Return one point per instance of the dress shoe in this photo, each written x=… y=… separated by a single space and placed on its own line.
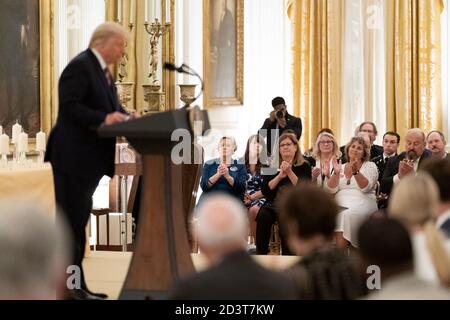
x=80 y=294
x=97 y=294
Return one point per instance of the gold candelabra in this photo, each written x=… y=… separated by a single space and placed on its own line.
x=125 y=88
x=152 y=95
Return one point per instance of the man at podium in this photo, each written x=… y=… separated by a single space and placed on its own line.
x=80 y=158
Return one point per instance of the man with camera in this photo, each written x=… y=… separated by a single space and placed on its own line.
x=279 y=121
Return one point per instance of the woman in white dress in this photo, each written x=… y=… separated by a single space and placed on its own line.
x=354 y=188
x=324 y=152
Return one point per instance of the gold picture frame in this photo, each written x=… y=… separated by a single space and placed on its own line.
x=26 y=85
x=48 y=108
x=223 y=47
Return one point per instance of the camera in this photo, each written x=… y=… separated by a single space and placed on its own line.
x=279 y=114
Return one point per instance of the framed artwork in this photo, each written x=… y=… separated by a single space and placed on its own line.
x=25 y=64
x=223 y=47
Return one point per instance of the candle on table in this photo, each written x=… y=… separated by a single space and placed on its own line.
x=16 y=130
x=40 y=141
x=22 y=142
x=4 y=144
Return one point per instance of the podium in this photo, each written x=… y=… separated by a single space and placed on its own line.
x=162 y=252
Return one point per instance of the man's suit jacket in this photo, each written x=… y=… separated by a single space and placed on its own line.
x=292 y=123
x=392 y=169
x=85 y=98
x=236 y=277
x=381 y=164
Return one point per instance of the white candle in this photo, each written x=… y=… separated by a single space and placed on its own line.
x=168 y=11
x=146 y=10
x=4 y=144
x=119 y=10
x=16 y=130
x=157 y=9
x=40 y=141
x=132 y=11
x=23 y=142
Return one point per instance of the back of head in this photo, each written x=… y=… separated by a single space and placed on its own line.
x=414 y=199
x=222 y=224
x=439 y=170
x=386 y=243
x=278 y=101
x=105 y=31
x=310 y=211
x=33 y=249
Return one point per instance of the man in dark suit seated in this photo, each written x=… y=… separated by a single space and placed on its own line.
x=436 y=144
x=279 y=121
x=391 y=141
x=371 y=130
x=407 y=162
x=439 y=169
x=234 y=275
x=79 y=157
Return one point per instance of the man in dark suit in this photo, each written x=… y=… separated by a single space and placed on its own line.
x=436 y=144
x=369 y=128
x=439 y=170
x=279 y=121
x=80 y=158
x=234 y=275
x=391 y=142
x=407 y=162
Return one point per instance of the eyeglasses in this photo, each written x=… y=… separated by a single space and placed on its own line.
x=286 y=145
x=326 y=142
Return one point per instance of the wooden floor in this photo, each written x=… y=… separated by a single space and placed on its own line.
x=105 y=271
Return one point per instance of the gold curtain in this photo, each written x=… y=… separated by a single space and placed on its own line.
x=413 y=90
x=317 y=63
x=138 y=49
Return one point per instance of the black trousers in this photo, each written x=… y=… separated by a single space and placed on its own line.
x=74 y=200
x=266 y=217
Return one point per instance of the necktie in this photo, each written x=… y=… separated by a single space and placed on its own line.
x=109 y=77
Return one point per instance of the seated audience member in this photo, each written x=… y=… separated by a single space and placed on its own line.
x=233 y=275
x=324 y=272
x=34 y=253
x=354 y=188
x=279 y=120
x=414 y=202
x=391 y=141
x=291 y=169
x=224 y=174
x=325 y=152
x=407 y=162
x=436 y=144
x=371 y=130
x=393 y=254
x=308 y=153
x=255 y=158
x=439 y=170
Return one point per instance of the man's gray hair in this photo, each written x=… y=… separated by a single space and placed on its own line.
x=222 y=221
x=33 y=250
x=105 y=31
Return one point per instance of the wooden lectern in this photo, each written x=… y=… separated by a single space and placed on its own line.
x=162 y=252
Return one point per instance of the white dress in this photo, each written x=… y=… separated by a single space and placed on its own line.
x=360 y=203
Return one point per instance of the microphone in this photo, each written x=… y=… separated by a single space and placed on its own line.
x=184 y=68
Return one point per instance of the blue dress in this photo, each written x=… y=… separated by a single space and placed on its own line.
x=254 y=184
x=236 y=170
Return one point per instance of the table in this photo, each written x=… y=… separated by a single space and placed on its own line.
x=33 y=183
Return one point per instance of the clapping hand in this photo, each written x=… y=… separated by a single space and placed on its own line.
x=336 y=166
x=223 y=170
x=315 y=172
x=286 y=168
x=405 y=167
